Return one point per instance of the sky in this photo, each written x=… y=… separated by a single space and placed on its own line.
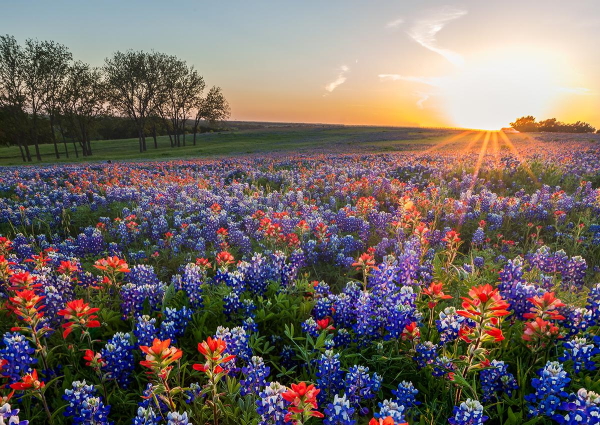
x=471 y=64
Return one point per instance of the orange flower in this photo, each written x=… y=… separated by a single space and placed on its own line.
x=159 y=356
x=80 y=315
x=23 y=280
x=213 y=351
x=387 y=421
x=29 y=381
x=485 y=301
x=540 y=332
x=325 y=324
x=303 y=400
x=25 y=305
x=411 y=332
x=67 y=267
x=365 y=262
x=545 y=307
x=436 y=294
x=112 y=265
x=224 y=259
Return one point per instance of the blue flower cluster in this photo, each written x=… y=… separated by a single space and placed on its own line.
x=360 y=386
x=329 y=376
x=255 y=373
x=549 y=389
x=339 y=412
x=10 y=416
x=469 y=412
x=84 y=407
x=18 y=355
x=497 y=379
x=581 y=352
x=271 y=406
x=118 y=357
x=580 y=408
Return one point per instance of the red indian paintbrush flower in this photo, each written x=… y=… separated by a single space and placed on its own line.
x=303 y=399
x=23 y=280
x=540 y=332
x=112 y=264
x=224 y=259
x=213 y=351
x=67 y=267
x=365 y=262
x=159 y=357
x=25 y=304
x=435 y=293
x=545 y=307
x=387 y=421
x=325 y=324
x=79 y=315
x=486 y=307
x=29 y=381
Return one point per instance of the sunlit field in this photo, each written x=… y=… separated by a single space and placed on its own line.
x=324 y=275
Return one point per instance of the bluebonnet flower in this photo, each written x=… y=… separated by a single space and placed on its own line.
x=581 y=352
x=469 y=412
x=360 y=385
x=497 y=379
x=175 y=323
x=237 y=345
x=271 y=406
x=549 y=388
x=18 y=356
x=195 y=391
x=478 y=262
x=146 y=416
x=580 y=408
x=145 y=331
x=329 y=375
x=593 y=303
x=118 y=358
x=287 y=357
x=191 y=283
x=443 y=366
x=339 y=412
x=426 y=353
x=391 y=408
x=10 y=416
x=478 y=237
x=449 y=325
x=406 y=394
x=255 y=373
x=84 y=407
x=175 y=418
x=143 y=288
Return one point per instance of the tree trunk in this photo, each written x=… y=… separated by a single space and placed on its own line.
x=64 y=139
x=154 y=135
x=22 y=152
x=195 y=131
x=35 y=137
x=54 y=136
x=75 y=147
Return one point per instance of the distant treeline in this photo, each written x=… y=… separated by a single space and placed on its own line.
x=47 y=97
x=529 y=124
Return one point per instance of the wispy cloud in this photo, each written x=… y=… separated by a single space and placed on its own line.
x=424 y=31
x=430 y=81
x=422 y=99
x=575 y=90
x=395 y=23
x=341 y=79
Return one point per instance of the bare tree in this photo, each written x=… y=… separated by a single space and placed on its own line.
x=12 y=90
x=133 y=80
x=54 y=72
x=181 y=90
x=84 y=100
x=212 y=108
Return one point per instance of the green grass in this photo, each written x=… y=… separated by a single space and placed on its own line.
x=297 y=139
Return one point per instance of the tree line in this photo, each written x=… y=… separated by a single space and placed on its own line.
x=529 y=124
x=48 y=97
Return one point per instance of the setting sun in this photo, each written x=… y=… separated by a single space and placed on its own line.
x=494 y=89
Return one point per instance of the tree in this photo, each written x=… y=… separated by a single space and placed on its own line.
x=525 y=124
x=213 y=108
x=84 y=99
x=54 y=73
x=12 y=92
x=133 y=81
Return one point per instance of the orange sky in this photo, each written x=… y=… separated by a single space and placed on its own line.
x=465 y=64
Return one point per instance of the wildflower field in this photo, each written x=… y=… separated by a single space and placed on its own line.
x=442 y=284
